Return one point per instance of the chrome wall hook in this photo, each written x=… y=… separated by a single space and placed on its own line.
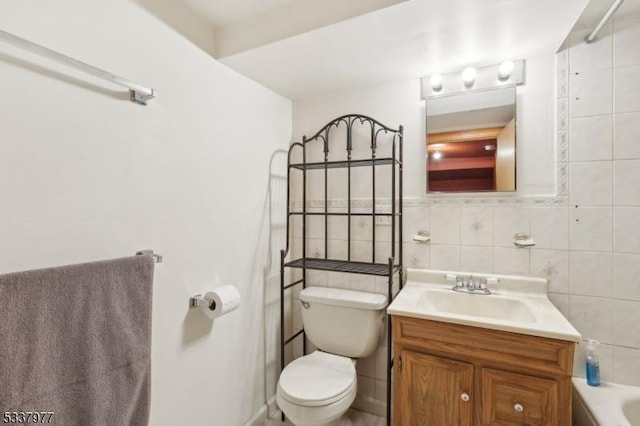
x=156 y=257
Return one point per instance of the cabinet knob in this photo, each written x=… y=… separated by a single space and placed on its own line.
x=464 y=396
x=518 y=407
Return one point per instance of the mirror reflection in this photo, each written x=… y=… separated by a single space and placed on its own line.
x=471 y=141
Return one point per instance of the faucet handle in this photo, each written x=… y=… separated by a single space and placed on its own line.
x=482 y=285
x=468 y=281
x=460 y=281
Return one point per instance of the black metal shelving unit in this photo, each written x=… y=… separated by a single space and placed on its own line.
x=390 y=269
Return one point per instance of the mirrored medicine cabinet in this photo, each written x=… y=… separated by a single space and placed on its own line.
x=471 y=141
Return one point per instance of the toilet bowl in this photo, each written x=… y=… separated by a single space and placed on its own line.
x=317 y=389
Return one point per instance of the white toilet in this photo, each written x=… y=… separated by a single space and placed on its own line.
x=317 y=389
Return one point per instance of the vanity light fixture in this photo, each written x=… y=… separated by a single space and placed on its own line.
x=505 y=70
x=506 y=73
x=469 y=76
x=436 y=155
x=436 y=82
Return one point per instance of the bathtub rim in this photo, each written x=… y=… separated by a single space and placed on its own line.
x=604 y=403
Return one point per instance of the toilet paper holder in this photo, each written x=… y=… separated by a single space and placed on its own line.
x=198 y=300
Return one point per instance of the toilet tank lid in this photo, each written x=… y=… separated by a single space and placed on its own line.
x=345 y=298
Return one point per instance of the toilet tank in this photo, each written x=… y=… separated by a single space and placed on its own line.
x=343 y=322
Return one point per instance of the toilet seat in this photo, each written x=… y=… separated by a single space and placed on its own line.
x=317 y=379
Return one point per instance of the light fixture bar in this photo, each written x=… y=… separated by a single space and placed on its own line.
x=507 y=73
x=594 y=34
x=139 y=94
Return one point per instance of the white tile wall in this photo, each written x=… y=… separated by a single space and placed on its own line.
x=511 y=261
x=591 y=93
x=626 y=94
x=508 y=221
x=593 y=317
x=591 y=228
x=445 y=225
x=626 y=130
x=416 y=255
x=415 y=219
x=361 y=251
x=626 y=179
x=337 y=227
x=550 y=227
x=590 y=183
x=625 y=43
x=476 y=226
x=626 y=365
x=604 y=301
x=476 y=259
x=552 y=265
x=338 y=280
x=626 y=276
x=561 y=301
x=626 y=317
x=445 y=257
x=362 y=282
x=591 y=138
x=590 y=57
x=591 y=273
x=626 y=230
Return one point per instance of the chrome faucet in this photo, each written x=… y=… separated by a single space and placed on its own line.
x=467 y=284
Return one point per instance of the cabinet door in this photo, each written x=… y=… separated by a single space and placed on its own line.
x=435 y=391
x=518 y=399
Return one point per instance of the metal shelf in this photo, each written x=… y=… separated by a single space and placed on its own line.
x=388 y=269
x=380 y=269
x=343 y=164
x=342 y=214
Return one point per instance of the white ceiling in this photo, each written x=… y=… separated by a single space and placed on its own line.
x=396 y=40
x=226 y=12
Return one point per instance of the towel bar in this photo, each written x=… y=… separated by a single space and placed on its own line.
x=138 y=93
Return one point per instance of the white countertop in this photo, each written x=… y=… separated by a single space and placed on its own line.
x=516 y=304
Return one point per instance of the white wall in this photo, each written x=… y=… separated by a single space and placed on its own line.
x=85 y=175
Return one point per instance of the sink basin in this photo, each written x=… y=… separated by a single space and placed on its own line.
x=516 y=304
x=491 y=306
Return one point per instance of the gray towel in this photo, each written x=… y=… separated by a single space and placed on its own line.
x=76 y=340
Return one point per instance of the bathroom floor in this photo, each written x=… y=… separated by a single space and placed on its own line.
x=358 y=418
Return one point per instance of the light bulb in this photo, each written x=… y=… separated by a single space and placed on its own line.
x=505 y=70
x=436 y=155
x=469 y=76
x=436 y=82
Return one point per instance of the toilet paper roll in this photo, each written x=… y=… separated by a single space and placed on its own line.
x=221 y=301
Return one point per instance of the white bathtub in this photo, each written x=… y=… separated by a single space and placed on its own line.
x=609 y=404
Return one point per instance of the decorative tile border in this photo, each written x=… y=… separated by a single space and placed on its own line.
x=562 y=136
x=562 y=146
x=562 y=179
x=563 y=114
x=562 y=74
x=428 y=201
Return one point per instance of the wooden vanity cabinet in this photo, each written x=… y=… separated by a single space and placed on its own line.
x=430 y=381
x=449 y=374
